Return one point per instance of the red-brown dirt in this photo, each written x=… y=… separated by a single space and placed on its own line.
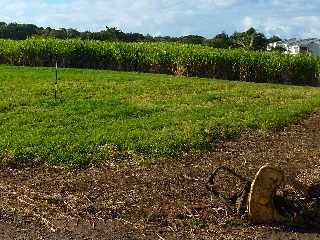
x=166 y=199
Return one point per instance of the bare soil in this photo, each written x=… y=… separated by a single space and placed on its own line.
x=166 y=199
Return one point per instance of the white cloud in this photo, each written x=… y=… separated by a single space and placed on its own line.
x=297 y=26
x=247 y=23
x=170 y=17
x=146 y=16
x=309 y=25
x=220 y=3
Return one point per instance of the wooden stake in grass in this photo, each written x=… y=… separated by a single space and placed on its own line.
x=56 y=83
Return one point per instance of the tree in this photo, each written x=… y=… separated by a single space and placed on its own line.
x=221 y=40
x=259 y=41
x=60 y=33
x=274 y=39
x=192 y=39
x=17 y=31
x=250 y=40
x=279 y=49
x=73 y=33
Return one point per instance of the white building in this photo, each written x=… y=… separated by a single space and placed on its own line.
x=295 y=46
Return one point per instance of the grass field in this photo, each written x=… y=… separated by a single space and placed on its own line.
x=101 y=115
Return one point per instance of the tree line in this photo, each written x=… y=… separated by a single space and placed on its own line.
x=250 y=39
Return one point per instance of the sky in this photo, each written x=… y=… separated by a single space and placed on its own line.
x=285 y=18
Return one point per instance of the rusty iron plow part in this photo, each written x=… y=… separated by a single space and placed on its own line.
x=258 y=200
x=230 y=203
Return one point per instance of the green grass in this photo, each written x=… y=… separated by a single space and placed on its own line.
x=103 y=115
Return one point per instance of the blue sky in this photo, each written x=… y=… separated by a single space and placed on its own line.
x=286 y=18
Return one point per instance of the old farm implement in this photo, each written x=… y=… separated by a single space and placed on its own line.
x=270 y=197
